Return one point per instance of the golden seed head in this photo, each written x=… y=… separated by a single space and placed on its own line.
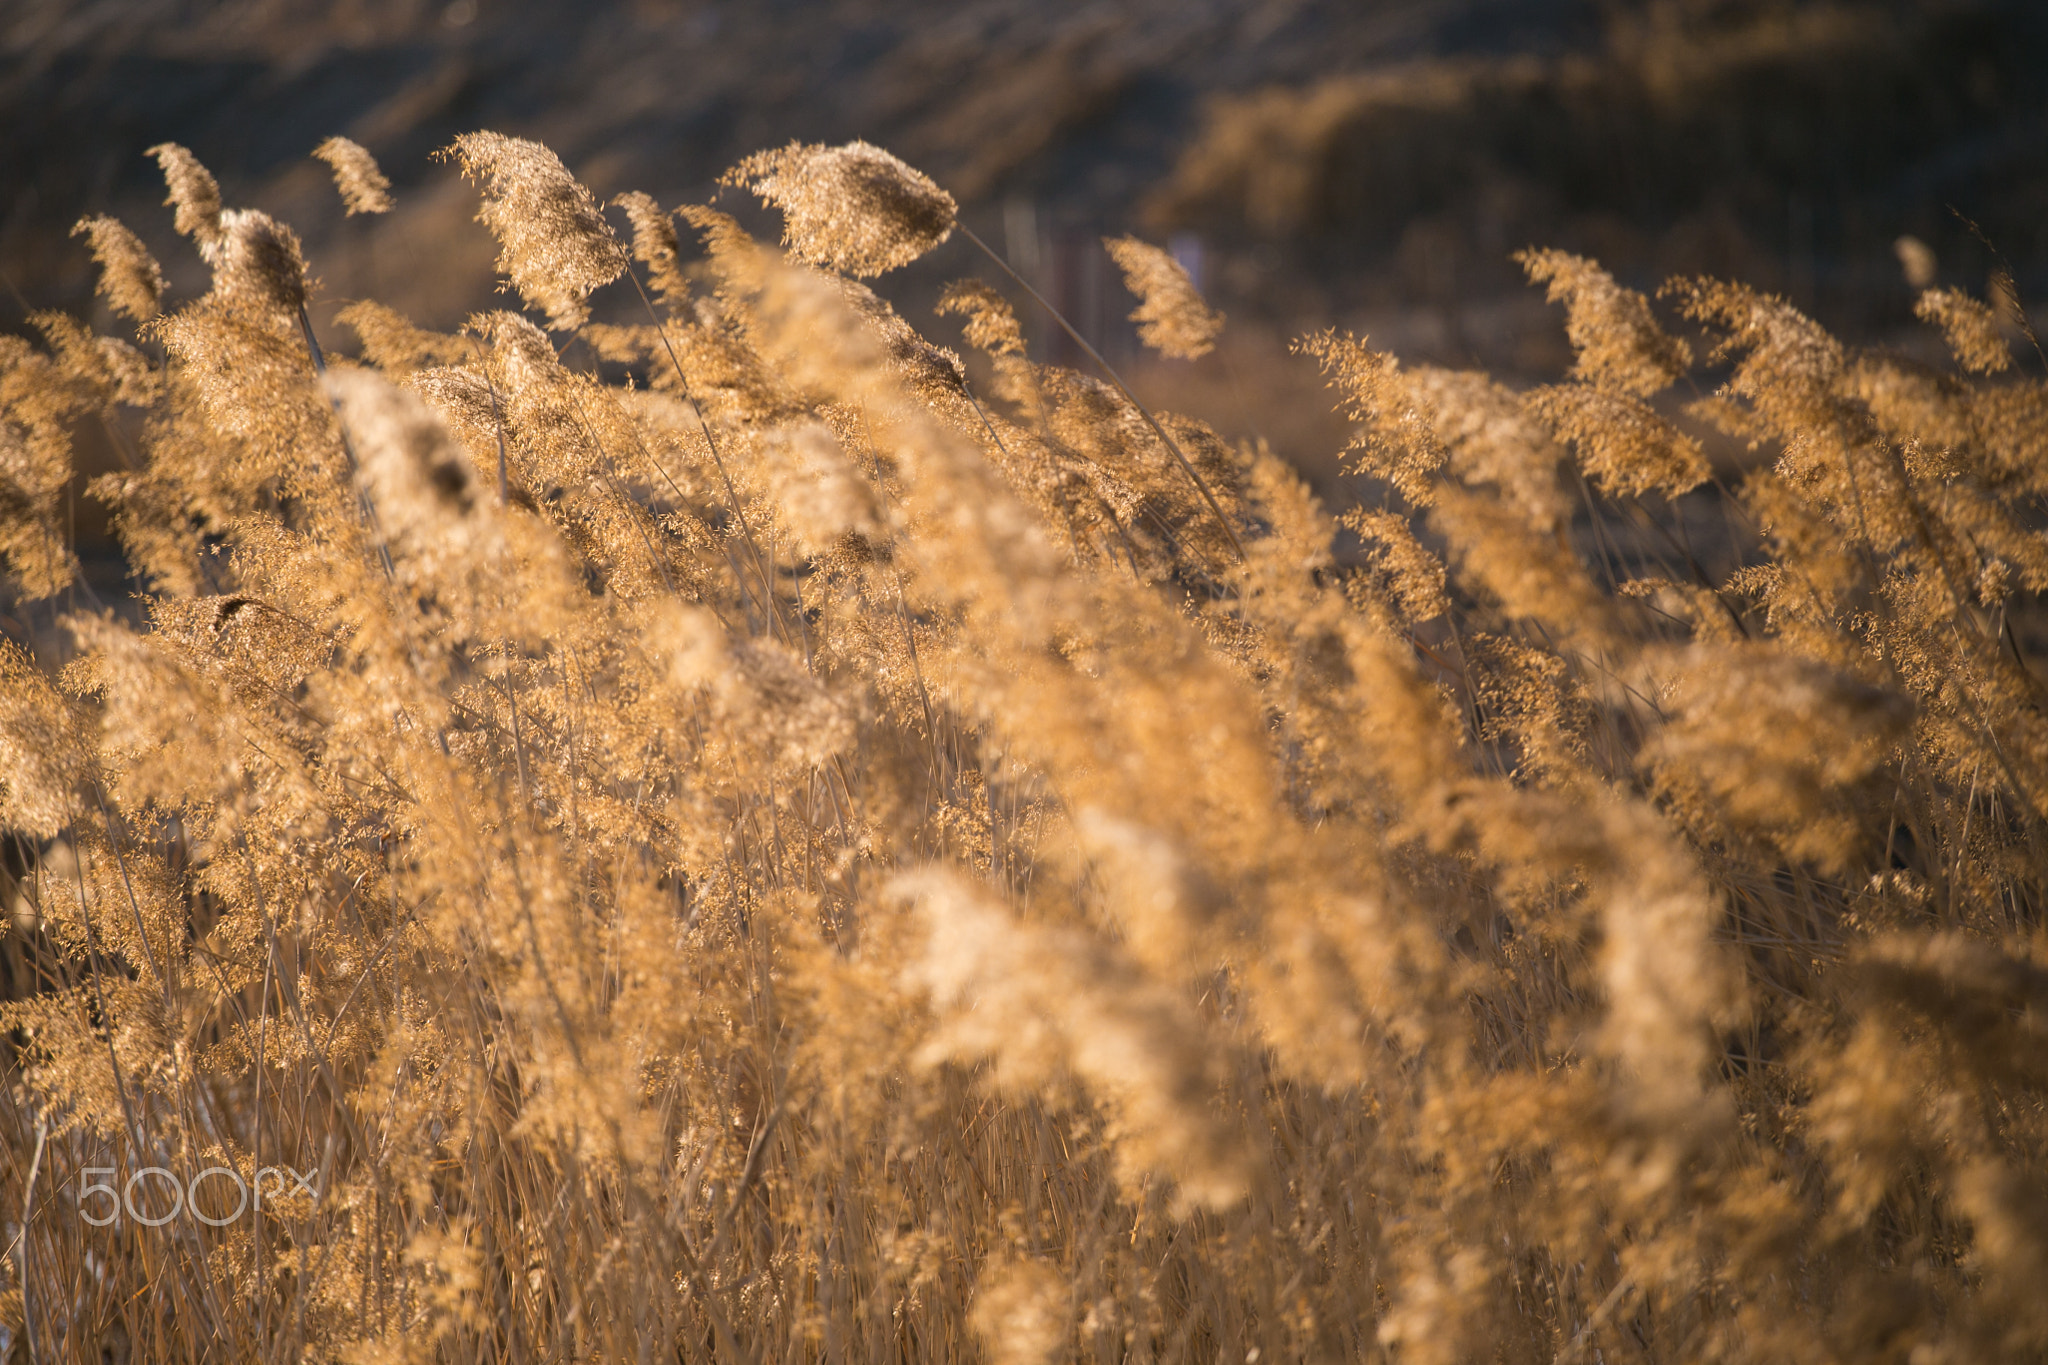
x=363 y=186
x=854 y=208
x=1171 y=315
x=555 y=246
x=193 y=191
x=130 y=279
x=257 y=261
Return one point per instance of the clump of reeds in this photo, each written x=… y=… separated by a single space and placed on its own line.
x=787 y=856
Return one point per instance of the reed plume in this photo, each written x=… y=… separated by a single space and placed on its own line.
x=363 y=186
x=1172 y=317
x=855 y=208
x=193 y=192
x=130 y=278
x=554 y=244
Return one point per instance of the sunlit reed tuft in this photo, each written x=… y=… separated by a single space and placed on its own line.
x=130 y=279
x=1171 y=315
x=855 y=208
x=364 y=188
x=554 y=244
x=193 y=191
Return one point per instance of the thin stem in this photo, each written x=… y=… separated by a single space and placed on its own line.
x=364 y=506
x=717 y=461
x=1201 y=485
x=28 y=1207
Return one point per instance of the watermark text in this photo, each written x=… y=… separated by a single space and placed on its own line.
x=101 y=1202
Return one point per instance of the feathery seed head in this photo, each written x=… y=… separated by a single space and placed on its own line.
x=1970 y=327
x=1045 y=1005
x=130 y=279
x=821 y=494
x=43 y=752
x=419 y=479
x=1619 y=344
x=108 y=367
x=1788 y=360
x=555 y=246
x=1020 y=1312
x=522 y=349
x=1409 y=575
x=1916 y=262
x=724 y=239
x=393 y=344
x=854 y=208
x=1160 y=900
x=194 y=192
x=655 y=246
x=758 y=687
x=1731 y=708
x=257 y=262
x=1396 y=440
x=38 y=403
x=1626 y=448
x=2002 y=291
x=516 y=338
x=356 y=174
x=991 y=323
x=1489 y=438
x=926 y=370
x=1172 y=316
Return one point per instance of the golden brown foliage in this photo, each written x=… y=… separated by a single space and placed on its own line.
x=783 y=856
x=655 y=246
x=258 y=264
x=1619 y=344
x=194 y=193
x=1970 y=327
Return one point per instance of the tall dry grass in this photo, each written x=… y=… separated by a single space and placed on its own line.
x=722 y=839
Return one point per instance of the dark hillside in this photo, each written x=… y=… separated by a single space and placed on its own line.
x=1316 y=162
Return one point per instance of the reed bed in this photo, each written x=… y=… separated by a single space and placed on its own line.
x=744 y=837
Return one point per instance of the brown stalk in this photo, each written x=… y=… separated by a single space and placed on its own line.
x=1173 y=448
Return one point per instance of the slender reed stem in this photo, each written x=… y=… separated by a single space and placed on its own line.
x=28 y=1208
x=1201 y=484
x=703 y=424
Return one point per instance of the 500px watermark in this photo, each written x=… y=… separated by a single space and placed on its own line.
x=184 y=1195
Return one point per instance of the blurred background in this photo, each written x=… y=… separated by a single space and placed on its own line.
x=1362 y=163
